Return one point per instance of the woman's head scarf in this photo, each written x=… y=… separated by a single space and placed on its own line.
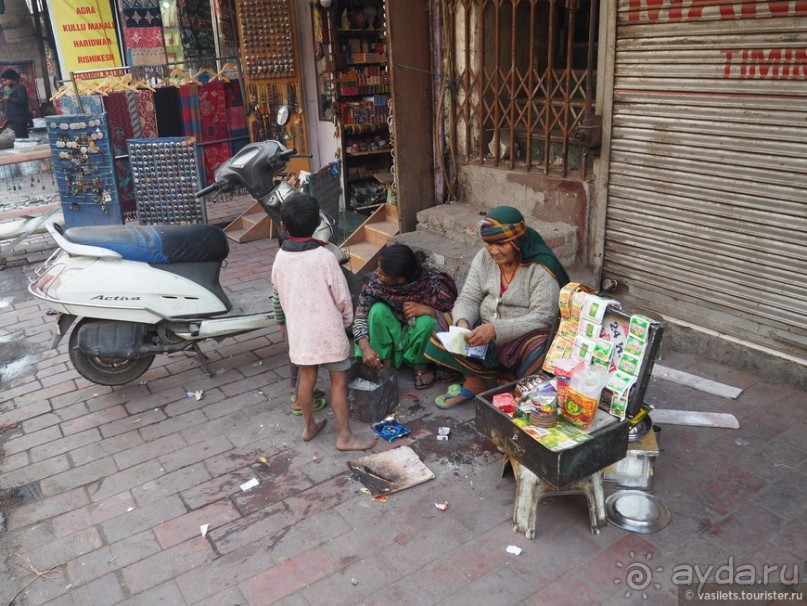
x=506 y=224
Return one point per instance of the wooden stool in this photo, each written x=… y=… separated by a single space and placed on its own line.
x=530 y=489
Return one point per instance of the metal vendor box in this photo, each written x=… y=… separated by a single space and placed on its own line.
x=607 y=440
x=637 y=469
x=372 y=394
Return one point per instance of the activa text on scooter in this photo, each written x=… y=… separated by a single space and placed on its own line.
x=113 y=298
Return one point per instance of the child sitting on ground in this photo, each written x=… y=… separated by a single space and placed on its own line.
x=316 y=305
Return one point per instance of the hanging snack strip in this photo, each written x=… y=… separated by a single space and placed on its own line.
x=612 y=343
x=82 y=163
x=166 y=177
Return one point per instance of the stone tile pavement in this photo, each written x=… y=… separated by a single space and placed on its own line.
x=103 y=490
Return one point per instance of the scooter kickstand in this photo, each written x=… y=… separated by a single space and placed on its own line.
x=202 y=358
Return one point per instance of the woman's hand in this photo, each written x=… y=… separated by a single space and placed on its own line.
x=415 y=310
x=369 y=356
x=485 y=333
x=463 y=324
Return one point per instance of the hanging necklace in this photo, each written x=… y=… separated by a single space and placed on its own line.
x=505 y=280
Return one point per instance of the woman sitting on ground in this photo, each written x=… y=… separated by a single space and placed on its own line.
x=509 y=301
x=397 y=310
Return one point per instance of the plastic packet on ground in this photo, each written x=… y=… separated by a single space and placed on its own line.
x=389 y=429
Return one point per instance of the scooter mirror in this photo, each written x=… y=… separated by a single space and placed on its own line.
x=282 y=117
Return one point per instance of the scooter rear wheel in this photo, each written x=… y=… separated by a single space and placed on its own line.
x=105 y=371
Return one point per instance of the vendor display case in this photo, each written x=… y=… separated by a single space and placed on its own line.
x=608 y=443
x=607 y=440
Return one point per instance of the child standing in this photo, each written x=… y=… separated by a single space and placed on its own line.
x=316 y=306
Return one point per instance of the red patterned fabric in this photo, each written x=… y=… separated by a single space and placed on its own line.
x=213 y=116
x=189 y=113
x=147 y=114
x=236 y=119
x=119 y=119
x=144 y=37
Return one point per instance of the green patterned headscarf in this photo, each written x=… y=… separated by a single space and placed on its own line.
x=506 y=224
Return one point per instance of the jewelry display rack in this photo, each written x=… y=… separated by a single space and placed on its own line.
x=83 y=168
x=165 y=172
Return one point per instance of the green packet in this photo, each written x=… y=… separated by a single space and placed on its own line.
x=639 y=326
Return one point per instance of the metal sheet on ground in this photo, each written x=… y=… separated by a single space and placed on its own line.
x=698 y=419
x=696 y=382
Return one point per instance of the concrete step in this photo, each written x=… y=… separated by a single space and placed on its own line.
x=449 y=236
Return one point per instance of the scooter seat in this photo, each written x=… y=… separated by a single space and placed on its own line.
x=156 y=243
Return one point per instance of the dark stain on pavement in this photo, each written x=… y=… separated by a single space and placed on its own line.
x=464 y=444
x=17 y=496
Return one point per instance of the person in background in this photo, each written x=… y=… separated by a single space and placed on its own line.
x=397 y=312
x=16 y=100
x=316 y=308
x=509 y=302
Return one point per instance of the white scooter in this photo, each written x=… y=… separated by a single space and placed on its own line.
x=139 y=290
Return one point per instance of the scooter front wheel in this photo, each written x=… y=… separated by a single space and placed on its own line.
x=106 y=371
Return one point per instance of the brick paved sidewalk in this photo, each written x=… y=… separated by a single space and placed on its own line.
x=111 y=486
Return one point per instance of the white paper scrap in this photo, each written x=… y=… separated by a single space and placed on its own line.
x=251 y=484
x=514 y=549
x=204 y=528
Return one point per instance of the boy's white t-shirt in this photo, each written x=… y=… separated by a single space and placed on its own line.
x=316 y=302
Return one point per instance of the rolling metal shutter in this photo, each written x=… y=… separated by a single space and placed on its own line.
x=706 y=216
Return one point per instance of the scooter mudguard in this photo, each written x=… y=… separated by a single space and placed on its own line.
x=63 y=322
x=111 y=339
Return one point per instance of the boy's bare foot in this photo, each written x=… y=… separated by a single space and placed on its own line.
x=313 y=429
x=355 y=442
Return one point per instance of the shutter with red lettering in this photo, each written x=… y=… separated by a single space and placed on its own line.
x=706 y=219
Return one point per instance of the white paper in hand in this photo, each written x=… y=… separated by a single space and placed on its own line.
x=454 y=342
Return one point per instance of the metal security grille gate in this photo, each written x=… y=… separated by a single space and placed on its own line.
x=520 y=76
x=706 y=216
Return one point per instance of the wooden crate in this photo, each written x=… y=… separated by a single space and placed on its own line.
x=364 y=244
x=252 y=224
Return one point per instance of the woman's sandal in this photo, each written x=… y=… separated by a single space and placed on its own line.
x=455 y=392
x=424 y=378
x=320 y=402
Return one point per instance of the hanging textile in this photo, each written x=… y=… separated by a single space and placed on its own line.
x=67 y=105
x=236 y=119
x=146 y=114
x=213 y=118
x=143 y=32
x=171 y=32
x=227 y=29
x=196 y=25
x=119 y=117
x=191 y=123
x=134 y=119
x=166 y=107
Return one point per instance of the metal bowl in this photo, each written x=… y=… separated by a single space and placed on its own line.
x=636 y=511
x=638 y=431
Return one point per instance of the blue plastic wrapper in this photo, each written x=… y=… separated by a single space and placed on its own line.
x=389 y=429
